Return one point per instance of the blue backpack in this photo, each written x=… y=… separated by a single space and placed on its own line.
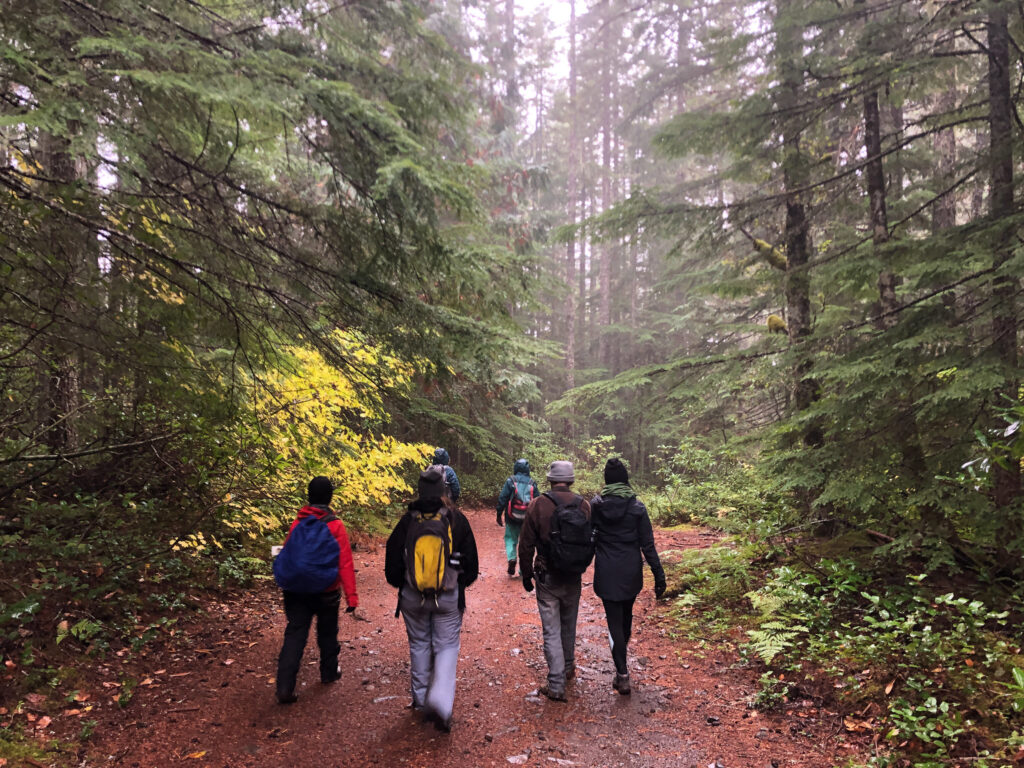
x=309 y=561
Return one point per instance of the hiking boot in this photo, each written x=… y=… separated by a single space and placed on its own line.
x=511 y=567
x=331 y=677
x=621 y=684
x=444 y=726
x=570 y=672
x=286 y=698
x=553 y=695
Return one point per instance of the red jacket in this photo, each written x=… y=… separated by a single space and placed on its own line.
x=346 y=570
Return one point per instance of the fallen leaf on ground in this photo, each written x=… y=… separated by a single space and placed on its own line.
x=195 y=755
x=857 y=726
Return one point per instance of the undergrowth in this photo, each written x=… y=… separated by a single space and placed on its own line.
x=934 y=670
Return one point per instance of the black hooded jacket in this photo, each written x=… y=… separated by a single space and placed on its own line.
x=463 y=542
x=623 y=532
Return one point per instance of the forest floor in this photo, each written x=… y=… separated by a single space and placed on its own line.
x=210 y=702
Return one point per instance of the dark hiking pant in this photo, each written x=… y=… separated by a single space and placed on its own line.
x=619 y=614
x=300 y=609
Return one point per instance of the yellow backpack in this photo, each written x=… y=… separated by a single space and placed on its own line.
x=428 y=553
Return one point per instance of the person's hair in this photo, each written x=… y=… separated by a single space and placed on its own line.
x=320 y=490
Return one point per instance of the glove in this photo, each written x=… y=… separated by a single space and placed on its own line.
x=659 y=588
x=500 y=521
x=527 y=583
x=350 y=609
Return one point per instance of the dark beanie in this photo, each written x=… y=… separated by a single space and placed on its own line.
x=615 y=472
x=431 y=484
x=320 y=490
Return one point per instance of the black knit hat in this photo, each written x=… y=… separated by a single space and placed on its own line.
x=320 y=490
x=431 y=484
x=615 y=472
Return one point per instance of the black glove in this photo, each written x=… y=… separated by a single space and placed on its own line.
x=350 y=609
x=500 y=521
x=527 y=583
x=659 y=588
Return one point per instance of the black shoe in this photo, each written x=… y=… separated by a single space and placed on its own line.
x=444 y=726
x=331 y=678
x=287 y=698
x=511 y=567
x=621 y=684
x=570 y=672
x=553 y=695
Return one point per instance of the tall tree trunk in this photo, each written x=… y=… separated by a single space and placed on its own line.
x=1004 y=287
x=573 y=194
x=604 y=318
x=944 y=210
x=875 y=177
x=62 y=385
x=509 y=56
x=794 y=173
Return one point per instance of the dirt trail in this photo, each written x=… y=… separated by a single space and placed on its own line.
x=214 y=705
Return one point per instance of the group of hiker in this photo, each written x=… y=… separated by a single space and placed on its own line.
x=431 y=558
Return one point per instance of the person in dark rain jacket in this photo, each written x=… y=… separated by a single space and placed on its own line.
x=520 y=485
x=623 y=530
x=433 y=624
x=451 y=480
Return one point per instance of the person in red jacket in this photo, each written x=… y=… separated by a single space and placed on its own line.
x=299 y=608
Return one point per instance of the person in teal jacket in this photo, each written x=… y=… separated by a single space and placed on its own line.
x=517 y=493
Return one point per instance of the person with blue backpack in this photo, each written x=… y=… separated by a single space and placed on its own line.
x=312 y=569
x=515 y=497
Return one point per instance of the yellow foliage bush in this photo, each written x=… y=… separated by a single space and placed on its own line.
x=310 y=418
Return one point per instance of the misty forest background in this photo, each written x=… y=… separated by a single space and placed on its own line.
x=768 y=252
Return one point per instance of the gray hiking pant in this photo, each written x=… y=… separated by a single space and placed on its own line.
x=558 y=603
x=434 y=631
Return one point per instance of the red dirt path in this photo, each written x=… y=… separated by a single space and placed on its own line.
x=214 y=706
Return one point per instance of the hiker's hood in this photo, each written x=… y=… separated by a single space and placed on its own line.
x=314 y=510
x=441 y=456
x=521 y=467
x=428 y=505
x=613 y=507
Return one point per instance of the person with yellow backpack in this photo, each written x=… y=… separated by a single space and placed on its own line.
x=431 y=558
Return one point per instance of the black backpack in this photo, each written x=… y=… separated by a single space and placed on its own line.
x=571 y=547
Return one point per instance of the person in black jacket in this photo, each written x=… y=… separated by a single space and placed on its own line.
x=623 y=531
x=433 y=622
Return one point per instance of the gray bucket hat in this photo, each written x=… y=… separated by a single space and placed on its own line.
x=561 y=472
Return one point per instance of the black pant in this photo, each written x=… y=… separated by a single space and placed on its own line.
x=300 y=609
x=619 y=614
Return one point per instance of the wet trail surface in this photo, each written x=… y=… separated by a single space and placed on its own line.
x=213 y=705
